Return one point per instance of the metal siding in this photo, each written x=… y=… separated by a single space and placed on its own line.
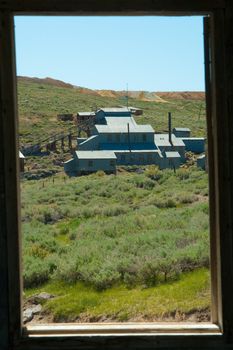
x=181 y=132
x=92 y=143
x=201 y=162
x=194 y=145
x=98 y=164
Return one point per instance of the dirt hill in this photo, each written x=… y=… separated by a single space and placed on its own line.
x=182 y=95
x=139 y=95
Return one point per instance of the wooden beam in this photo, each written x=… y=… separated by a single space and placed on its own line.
x=117 y=7
x=127 y=341
x=9 y=156
x=223 y=163
x=227 y=249
x=215 y=280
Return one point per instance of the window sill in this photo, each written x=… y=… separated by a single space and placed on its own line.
x=121 y=329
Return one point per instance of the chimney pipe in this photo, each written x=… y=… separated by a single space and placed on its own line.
x=128 y=137
x=170 y=128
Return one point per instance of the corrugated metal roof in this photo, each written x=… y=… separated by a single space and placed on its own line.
x=193 y=138
x=88 y=140
x=95 y=155
x=138 y=151
x=115 y=110
x=68 y=161
x=124 y=129
x=163 y=140
x=120 y=121
x=85 y=114
x=181 y=129
x=172 y=154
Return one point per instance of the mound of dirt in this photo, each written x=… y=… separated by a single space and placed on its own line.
x=182 y=95
x=139 y=95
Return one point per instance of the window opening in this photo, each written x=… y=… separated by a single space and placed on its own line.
x=139 y=231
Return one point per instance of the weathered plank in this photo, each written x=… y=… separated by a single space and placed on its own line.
x=102 y=7
x=227 y=242
x=208 y=40
x=9 y=184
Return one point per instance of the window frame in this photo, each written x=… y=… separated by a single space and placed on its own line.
x=219 y=334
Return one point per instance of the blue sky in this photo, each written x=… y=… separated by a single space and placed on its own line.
x=147 y=53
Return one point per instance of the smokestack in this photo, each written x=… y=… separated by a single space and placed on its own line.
x=129 y=138
x=170 y=127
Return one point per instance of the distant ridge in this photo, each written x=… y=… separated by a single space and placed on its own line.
x=160 y=97
x=49 y=81
x=182 y=95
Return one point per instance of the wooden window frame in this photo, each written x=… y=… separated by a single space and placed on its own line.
x=219 y=333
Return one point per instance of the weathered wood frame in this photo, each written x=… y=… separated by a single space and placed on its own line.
x=220 y=129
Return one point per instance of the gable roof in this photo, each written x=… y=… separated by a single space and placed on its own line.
x=95 y=155
x=119 y=128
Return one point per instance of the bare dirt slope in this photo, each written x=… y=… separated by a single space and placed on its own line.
x=139 y=95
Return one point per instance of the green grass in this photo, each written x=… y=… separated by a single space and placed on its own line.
x=189 y=294
x=130 y=228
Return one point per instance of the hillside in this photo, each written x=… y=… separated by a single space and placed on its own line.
x=139 y=95
x=131 y=247
x=40 y=100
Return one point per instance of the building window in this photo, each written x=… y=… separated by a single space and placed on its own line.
x=144 y=137
x=90 y=163
x=112 y=163
x=109 y=137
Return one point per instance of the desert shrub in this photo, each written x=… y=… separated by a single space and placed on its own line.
x=115 y=229
x=143 y=182
x=100 y=173
x=105 y=278
x=186 y=198
x=37 y=251
x=64 y=230
x=72 y=236
x=114 y=210
x=153 y=172
x=36 y=271
x=183 y=174
x=149 y=273
x=67 y=271
x=163 y=203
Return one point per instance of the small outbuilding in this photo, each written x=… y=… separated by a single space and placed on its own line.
x=172 y=160
x=86 y=162
x=181 y=132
